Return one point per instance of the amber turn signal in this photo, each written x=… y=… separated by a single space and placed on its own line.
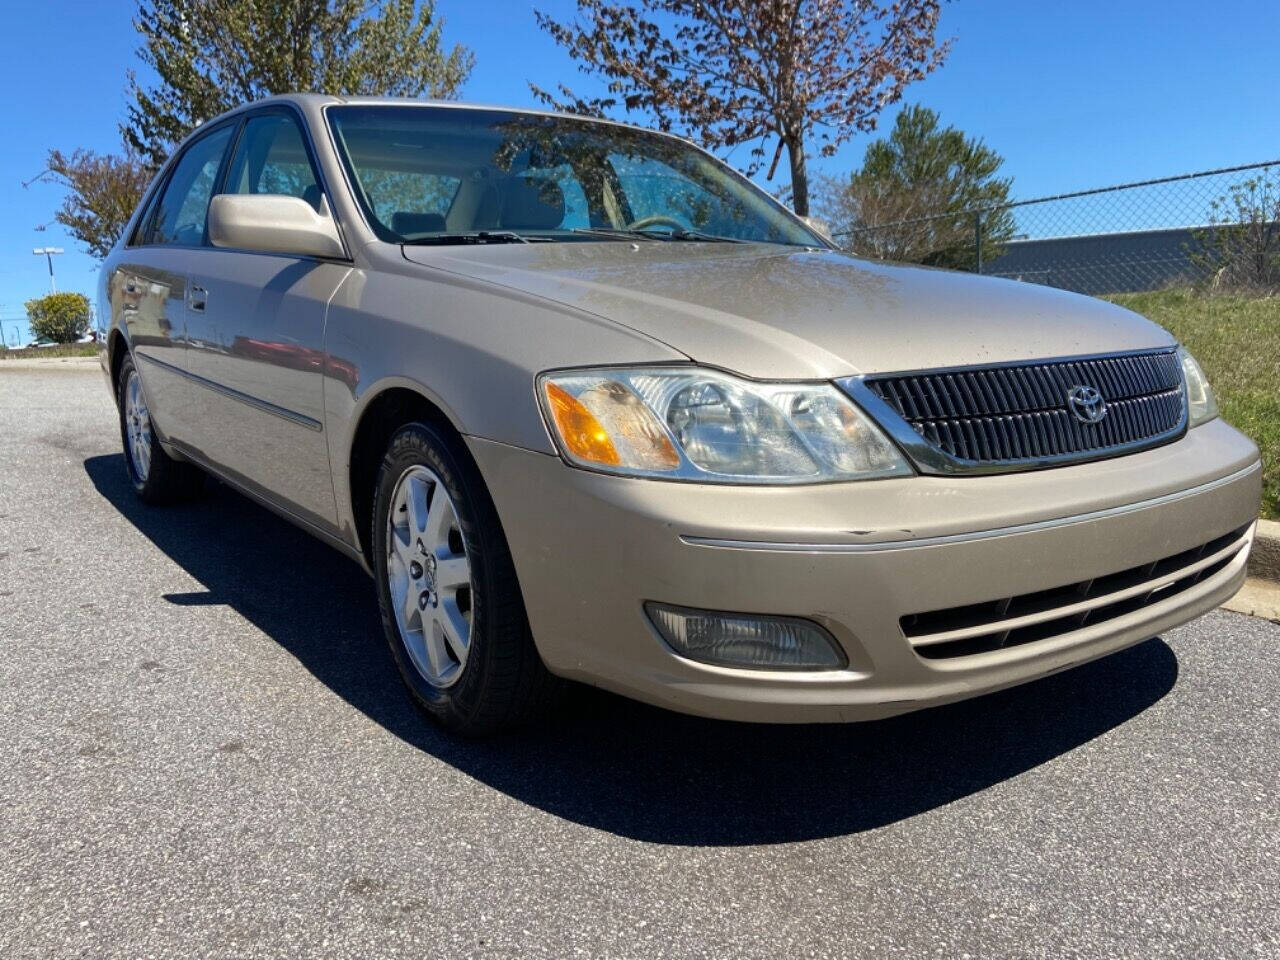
x=583 y=435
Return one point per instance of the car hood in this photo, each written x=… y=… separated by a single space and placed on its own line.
x=781 y=312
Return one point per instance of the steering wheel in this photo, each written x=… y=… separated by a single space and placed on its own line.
x=657 y=220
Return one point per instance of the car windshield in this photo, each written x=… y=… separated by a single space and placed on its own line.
x=435 y=175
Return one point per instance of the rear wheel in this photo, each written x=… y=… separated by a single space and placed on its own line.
x=156 y=477
x=451 y=606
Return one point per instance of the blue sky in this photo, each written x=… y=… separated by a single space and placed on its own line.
x=1074 y=95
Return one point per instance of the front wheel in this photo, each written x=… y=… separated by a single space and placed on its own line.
x=450 y=602
x=156 y=476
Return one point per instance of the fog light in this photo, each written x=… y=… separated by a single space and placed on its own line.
x=746 y=639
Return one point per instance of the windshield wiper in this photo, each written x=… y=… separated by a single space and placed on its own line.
x=619 y=233
x=623 y=233
x=702 y=237
x=476 y=236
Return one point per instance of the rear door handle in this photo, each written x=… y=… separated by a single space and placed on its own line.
x=199 y=297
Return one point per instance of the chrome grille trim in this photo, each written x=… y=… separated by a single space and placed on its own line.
x=1015 y=416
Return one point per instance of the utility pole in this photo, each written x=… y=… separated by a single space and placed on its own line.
x=48 y=253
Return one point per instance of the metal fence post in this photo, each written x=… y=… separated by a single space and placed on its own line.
x=977 y=239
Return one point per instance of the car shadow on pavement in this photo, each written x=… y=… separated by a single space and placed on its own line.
x=624 y=767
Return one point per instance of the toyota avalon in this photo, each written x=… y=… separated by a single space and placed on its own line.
x=587 y=404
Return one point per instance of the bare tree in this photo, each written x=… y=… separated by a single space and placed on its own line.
x=1240 y=248
x=730 y=72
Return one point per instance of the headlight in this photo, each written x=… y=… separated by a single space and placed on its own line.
x=1201 y=403
x=692 y=424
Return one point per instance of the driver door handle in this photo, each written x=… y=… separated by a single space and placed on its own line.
x=199 y=297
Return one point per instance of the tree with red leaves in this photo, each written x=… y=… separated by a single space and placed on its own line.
x=730 y=72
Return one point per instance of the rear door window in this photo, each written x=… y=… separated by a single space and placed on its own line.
x=184 y=207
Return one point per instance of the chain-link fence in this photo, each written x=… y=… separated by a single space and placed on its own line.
x=1219 y=227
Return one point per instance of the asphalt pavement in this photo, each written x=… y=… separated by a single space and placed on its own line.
x=205 y=752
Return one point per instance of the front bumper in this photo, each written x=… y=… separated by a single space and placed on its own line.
x=856 y=557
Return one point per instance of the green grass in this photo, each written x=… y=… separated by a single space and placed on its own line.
x=1237 y=341
x=50 y=353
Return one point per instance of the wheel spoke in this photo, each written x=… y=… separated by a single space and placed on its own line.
x=399 y=545
x=415 y=493
x=456 y=630
x=437 y=652
x=398 y=525
x=439 y=519
x=453 y=572
x=409 y=605
x=401 y=588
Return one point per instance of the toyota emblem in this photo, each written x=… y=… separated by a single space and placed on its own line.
x=1086 y=403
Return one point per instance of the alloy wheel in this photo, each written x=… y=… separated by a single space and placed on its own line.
x=137 y=422
x=429 y=576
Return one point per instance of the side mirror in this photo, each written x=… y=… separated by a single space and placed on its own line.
x=818 y=226
x=273 y=224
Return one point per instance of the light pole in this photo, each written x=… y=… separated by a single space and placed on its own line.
x=48 y=253
x=3 y=341
x=8 y=337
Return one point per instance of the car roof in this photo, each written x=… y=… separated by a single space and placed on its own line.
x=318 y=101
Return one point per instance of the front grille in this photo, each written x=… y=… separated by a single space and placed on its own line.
x=1011 y=621
x=1019 y=414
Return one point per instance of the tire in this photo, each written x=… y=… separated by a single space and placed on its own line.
x=443 y=568
x=156 y=477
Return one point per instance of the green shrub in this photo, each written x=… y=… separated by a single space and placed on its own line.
x=60 y=317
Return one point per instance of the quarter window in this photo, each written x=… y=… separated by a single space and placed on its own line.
x=181 y=216
x=139 y=235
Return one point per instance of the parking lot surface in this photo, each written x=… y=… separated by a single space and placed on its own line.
x=205 y=752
